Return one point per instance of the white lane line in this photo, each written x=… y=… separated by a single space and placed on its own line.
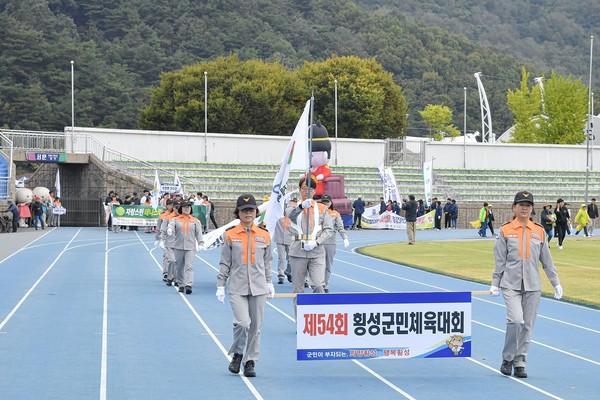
x=249 y=384
x=14 y=310
x=104 y=359
x=27 y=246
x=369 y=370
x=521 y=381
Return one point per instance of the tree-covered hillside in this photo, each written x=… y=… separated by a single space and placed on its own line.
x=121 y=47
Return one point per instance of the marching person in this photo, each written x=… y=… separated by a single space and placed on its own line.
x=519 y=247
x=311 y=225
x=245 y=267
x=282 y=238
x=188 y=239
x=168 y=245
x=163 y=219
x=330 y=244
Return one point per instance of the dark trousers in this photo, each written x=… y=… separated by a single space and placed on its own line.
x=357 y=220
x=447 y=221
x=561 y=230
x=15 y=222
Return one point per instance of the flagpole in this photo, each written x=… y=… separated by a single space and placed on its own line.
x=308 y=173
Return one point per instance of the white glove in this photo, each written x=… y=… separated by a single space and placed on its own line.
x=161 y=244
x=220 y=294
x=310 y=245
x=306 y=203
x=558 y=292
x=198 y=247
x=170 y=231
x=156 y=243
x=346 y=243
x=320 y=177
x=494 y=291
x=271 y=291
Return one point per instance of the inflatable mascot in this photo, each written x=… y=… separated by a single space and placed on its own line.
x=321 y=152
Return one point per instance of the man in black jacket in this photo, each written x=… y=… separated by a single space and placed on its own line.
x=410 y=208
x=592 y=210
x=15 y=212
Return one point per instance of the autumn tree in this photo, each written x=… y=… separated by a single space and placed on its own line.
x=439 y=119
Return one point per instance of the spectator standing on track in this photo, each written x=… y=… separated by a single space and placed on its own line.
x=211 y=211
x=547 y=220
x=38 y=212
x=359 y=209
x=491 y=218
x=420 y=208
x=483 y=218
x=561 y=218
x=410 y=208
x=438 y=214
x=245 y=267
x=331 y=243
x=453 y=214
x=447 y=218
x=113 y=203
x=50 y=219
x=188 y=239
x=520 y=246
x=310 y=226
x=592 y=210
x=382 y=205
x=15 y=215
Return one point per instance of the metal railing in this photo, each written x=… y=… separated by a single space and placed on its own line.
x=6 y=151
x=85 y=144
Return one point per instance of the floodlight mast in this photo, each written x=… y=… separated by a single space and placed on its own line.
x=487 y=134
x=541 y=83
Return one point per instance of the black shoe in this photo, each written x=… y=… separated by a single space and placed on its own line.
x=280 y=281
x=249 y=369
x=234 y=365
x=181 y=289
x=289 y=276
x=169 y=282
x=520 y=372
x=506 y=367
x=175 y=284
x=326 y=290
x=188 y=290
x=165 y=277
x=305 y=284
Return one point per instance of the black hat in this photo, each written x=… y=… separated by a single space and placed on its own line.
x=185 y=204
x=246 y=201
x=326 y=197
x=169 y=201
x=523 y=197
x=135 y=193
x=320 y=139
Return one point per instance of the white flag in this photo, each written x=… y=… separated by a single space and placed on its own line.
x=295 y=157
x=57 y=182
x=427 y=180
x=156 y=190
x=177 y=183
x=390 y=189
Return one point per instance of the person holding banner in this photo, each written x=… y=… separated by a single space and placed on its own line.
x=163 y=219
x=311 y=225
x=520 y=246
x=188 y=239
x=330 y=244
x=245 y=267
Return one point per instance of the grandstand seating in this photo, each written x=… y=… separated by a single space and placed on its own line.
x=224 y=182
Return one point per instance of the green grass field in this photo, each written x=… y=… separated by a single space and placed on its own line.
x=578 y=264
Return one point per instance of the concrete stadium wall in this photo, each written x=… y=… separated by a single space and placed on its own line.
x=261 y=149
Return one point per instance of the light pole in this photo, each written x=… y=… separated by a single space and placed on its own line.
x=336 y=128
x=589 y=125
x=72 y=104
x=205 y=116
x=465 y=130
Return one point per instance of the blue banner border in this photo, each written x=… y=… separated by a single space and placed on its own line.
x=384 y=298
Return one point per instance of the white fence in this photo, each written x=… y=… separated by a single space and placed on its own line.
x=260 y=149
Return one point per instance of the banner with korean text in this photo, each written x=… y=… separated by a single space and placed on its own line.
x=134 y=215
x=345 y=326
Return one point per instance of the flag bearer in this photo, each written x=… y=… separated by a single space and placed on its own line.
x=188 y=239
x=311 y=226
x=245 y=266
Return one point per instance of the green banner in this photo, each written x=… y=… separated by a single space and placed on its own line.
x=132 y=215
x=200 y=213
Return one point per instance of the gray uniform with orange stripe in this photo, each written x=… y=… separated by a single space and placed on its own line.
x=245 y=266
x=283 y=239
x=187 y=233
x=330 y=244
x=517 y=251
